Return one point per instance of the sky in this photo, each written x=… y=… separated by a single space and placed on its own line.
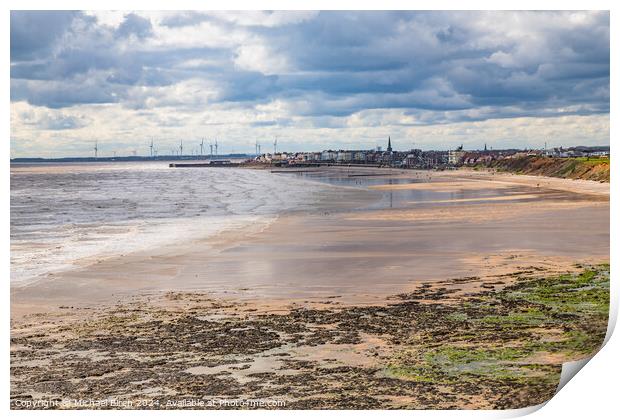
x=313 y=80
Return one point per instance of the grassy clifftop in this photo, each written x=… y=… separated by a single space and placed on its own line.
x=594 y=169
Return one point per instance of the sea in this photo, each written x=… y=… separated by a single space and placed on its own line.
x=68 y=215
x=65 y=215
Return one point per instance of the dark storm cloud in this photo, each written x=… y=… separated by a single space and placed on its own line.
x=34 y=33
x=60 y=94
x=446 y=66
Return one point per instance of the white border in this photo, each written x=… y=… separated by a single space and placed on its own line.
x=592 y=394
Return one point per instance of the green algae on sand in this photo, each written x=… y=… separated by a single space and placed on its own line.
x=440 y=346
x=515 y=333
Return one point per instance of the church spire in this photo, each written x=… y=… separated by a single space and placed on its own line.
x=389 y=148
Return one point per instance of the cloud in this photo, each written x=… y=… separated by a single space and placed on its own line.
x=42 y=118
x=135 y=25
x=259 y=57
x=311 y=69
x=60 y=94
x=36 y=33
x=183 y=19
x=248 y=18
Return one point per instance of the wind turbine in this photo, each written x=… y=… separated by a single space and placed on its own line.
x=216 y=147
x=202 y=142
x=151 y=147
x=211 y=150
x=275 y=145
x=96 y=149
x=181 y=148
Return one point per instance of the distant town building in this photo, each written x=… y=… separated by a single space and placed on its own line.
x=456 y=156
x=419 y=159
x=329 y=155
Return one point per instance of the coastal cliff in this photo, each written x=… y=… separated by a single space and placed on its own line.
x=593 y=169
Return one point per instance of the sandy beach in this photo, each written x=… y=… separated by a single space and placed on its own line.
x=324 y=308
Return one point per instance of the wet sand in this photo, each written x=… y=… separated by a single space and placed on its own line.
x=383 y=235
x=359 y=252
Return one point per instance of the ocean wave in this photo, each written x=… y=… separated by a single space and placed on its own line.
x=63 y=217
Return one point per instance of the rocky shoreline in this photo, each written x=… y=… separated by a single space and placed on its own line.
x=492 y=343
